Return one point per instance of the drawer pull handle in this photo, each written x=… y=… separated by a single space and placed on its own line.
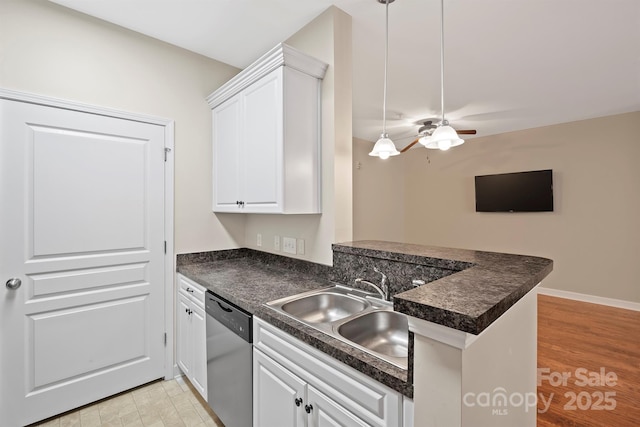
x=298 y=401
x=189 y=290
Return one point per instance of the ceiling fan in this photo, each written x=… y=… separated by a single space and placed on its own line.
x=428 y=126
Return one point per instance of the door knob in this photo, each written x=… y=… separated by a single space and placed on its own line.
x=13 y=283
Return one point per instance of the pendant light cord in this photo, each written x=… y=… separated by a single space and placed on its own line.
x=442 y=59
x=386 y=61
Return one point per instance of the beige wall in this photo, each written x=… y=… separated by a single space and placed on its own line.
x=378 y=195
x=328 y=38
x=593 y=235
x=49 y=50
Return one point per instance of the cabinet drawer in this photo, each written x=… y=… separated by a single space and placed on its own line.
x=192 y=290
x=368 y=399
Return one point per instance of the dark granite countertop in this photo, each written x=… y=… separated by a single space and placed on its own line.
x=466 y=290
x=248 y=283
x=482 y=287
x=250 y=278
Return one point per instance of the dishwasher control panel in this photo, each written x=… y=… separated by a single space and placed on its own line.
x=231 y=316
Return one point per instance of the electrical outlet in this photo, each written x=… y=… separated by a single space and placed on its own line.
x=289 y=245
x=300 y=246
x=276 y=243
x=259 y=240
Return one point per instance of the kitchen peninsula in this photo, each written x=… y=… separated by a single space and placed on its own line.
x=472 y=323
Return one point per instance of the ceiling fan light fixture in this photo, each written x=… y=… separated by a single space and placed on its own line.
x=443 y=138
x=384 y=148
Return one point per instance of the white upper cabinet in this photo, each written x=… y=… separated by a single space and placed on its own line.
x=266 y=136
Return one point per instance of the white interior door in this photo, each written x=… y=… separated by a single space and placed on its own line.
x=82 y=230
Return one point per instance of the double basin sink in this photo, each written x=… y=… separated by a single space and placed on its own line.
x=354 y=317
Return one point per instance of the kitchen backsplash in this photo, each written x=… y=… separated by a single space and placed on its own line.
x=350 y=263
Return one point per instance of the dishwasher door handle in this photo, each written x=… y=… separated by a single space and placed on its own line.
x=227 y=309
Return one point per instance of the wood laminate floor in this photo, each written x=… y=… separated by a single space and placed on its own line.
x=589 y=359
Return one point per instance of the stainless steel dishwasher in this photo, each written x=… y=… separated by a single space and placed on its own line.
x=229 y=362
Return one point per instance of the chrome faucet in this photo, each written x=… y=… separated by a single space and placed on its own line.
x=383 y=289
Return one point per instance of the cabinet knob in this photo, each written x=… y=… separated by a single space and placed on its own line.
x=298 y=401
x=308 y=408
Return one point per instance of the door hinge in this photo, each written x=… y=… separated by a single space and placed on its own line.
x=165 y=339
x=167 y=150
x=165 y=246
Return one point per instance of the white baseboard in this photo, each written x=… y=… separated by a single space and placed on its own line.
x=627 y=305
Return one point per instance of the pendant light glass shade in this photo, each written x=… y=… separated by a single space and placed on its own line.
x=384 y=148
x=426 y=141
x=443 y=138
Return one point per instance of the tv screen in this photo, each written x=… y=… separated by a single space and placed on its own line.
x=530 y=191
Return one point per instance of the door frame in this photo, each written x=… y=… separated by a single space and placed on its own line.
x=169 y=257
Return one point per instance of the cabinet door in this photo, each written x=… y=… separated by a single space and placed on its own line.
x=262 y=155
x=275 y=390
x=183 y=345
x=327 y=413
x=199 y=350
x=226 y=156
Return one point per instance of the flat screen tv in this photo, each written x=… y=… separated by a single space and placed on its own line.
x=530 y=191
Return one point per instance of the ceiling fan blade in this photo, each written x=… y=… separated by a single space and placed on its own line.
x=400 y=138
x=410 y=145
x=466 y=132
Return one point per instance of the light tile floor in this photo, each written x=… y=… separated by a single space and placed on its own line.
x=158 y=404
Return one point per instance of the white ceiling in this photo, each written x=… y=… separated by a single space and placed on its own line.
x=509 y=64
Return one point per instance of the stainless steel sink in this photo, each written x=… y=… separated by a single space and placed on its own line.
x=324 y=307
x=384 y=332
x=355 y=317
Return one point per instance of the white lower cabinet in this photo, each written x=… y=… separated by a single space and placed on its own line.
x=325 y=412
x=279 y=395
x=191 y=338
x=296 y=385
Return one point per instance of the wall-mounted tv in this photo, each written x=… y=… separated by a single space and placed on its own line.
x=530 y=191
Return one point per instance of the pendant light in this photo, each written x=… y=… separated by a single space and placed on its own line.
x=384 y=146
x=444 y=137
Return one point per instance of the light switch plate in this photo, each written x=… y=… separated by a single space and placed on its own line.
x=289 y=245
x=300 y=246
x=259 y=240
x=276 y=243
